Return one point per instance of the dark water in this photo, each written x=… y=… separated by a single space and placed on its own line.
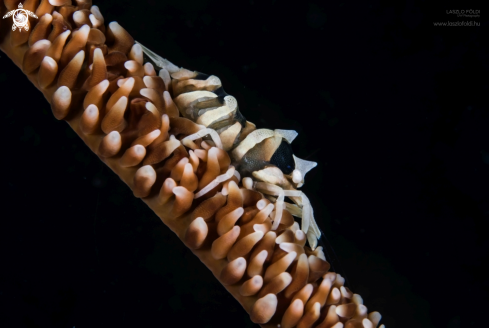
x=392 y=108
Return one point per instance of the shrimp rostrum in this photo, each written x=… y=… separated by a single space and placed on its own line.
x=264 y=158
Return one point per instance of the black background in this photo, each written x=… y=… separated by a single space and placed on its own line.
x=392 y=108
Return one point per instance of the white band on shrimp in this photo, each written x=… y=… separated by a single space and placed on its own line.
x=214 y=183
x=202 y=133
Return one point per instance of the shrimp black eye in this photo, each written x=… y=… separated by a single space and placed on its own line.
x=283 y=158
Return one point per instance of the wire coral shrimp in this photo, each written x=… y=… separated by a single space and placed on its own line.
x=263 y=154
x=183 y=146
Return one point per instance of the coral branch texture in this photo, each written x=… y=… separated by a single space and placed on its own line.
x=94 y=76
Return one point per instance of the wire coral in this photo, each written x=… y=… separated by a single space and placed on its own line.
x=96 y=79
